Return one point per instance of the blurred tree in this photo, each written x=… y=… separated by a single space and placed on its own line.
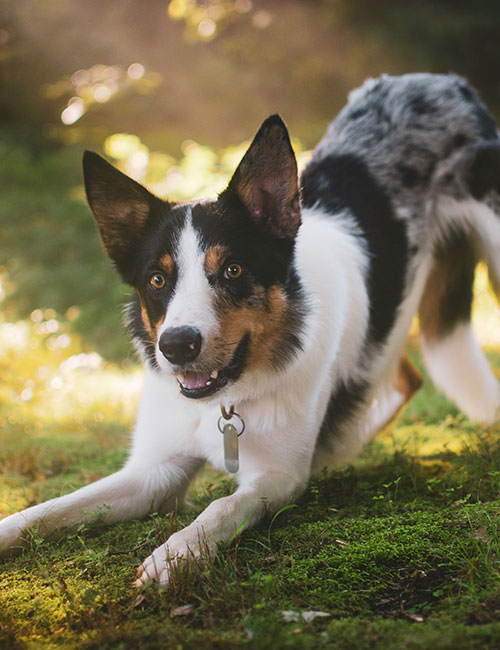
x=214 y=69
x=148 y=81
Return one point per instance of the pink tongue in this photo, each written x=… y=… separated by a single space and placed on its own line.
x=195 y=379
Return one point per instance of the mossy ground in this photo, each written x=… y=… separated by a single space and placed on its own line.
x=402 y=550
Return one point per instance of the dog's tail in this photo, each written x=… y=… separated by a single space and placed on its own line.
x=469 y=232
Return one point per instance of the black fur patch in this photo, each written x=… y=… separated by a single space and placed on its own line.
x=421 y=105
x=486 y=125
x=226 y=222
x=409 y=175
x=459 y=140
x=484 y=171
x=340 y=182
x=357 y=113
x=342 y=404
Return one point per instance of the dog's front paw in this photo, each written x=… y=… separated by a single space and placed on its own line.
x=181 y=546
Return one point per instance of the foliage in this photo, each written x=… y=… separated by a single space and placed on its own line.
x=50 y=254
x=212 y=70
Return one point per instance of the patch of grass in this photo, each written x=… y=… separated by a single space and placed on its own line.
x=400 y=550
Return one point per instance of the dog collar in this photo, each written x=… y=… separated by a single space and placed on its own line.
x=231 y=425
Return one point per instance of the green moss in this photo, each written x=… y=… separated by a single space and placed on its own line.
x=401 y=550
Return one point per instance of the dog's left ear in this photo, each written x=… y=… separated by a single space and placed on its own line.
x=266 y=180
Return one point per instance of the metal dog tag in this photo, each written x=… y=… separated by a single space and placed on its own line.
x=231 y=448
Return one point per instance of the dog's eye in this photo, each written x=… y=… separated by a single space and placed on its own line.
x=157 y=281
x=233 y=271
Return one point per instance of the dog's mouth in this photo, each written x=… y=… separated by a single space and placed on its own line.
x=196 y=385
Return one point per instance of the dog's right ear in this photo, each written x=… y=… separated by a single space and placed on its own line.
x=121 y=208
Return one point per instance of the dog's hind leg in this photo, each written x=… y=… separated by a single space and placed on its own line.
x=455 y=361
x=392 y=398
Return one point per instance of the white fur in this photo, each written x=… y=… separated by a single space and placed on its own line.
x=458 y=365
x=191 y=304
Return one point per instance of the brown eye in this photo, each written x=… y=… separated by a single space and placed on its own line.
x=233 y=271
x=157 y=281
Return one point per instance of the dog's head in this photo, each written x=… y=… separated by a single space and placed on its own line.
x=216 y=289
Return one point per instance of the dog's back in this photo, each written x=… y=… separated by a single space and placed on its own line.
x=413 y=163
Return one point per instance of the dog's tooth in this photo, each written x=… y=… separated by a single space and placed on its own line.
x=214 y=374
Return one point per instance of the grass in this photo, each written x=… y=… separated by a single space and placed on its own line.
x=400 y=550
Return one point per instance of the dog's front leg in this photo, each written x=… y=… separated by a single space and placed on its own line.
x=130 y=493
x=219 y=522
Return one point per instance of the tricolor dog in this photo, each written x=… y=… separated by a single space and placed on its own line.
x=282 y=307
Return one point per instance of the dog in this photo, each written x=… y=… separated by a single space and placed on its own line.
x=272 y=319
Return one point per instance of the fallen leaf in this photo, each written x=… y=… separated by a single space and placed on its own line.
x=310 y=616
x=481 y=533
x=183 y=610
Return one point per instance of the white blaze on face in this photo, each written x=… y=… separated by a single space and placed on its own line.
x=192 y=302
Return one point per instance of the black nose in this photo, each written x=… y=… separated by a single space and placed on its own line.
x=180 y=344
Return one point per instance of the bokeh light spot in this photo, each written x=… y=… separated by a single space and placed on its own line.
x=136 y=71
x=207 y=28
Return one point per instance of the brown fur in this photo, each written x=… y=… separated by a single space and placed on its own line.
x=447 y=297
x=408 y=378
x=167 y=263
x=264 y=323
x=214 y=258
x=150 y=326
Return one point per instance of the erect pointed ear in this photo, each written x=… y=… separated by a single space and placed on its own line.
x=266 y=180
x=121 y=208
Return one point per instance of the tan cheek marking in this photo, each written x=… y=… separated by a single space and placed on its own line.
x=271 y=321
x=214 y=257
x=167 y=263
x=264 y=325
x=151 y=328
